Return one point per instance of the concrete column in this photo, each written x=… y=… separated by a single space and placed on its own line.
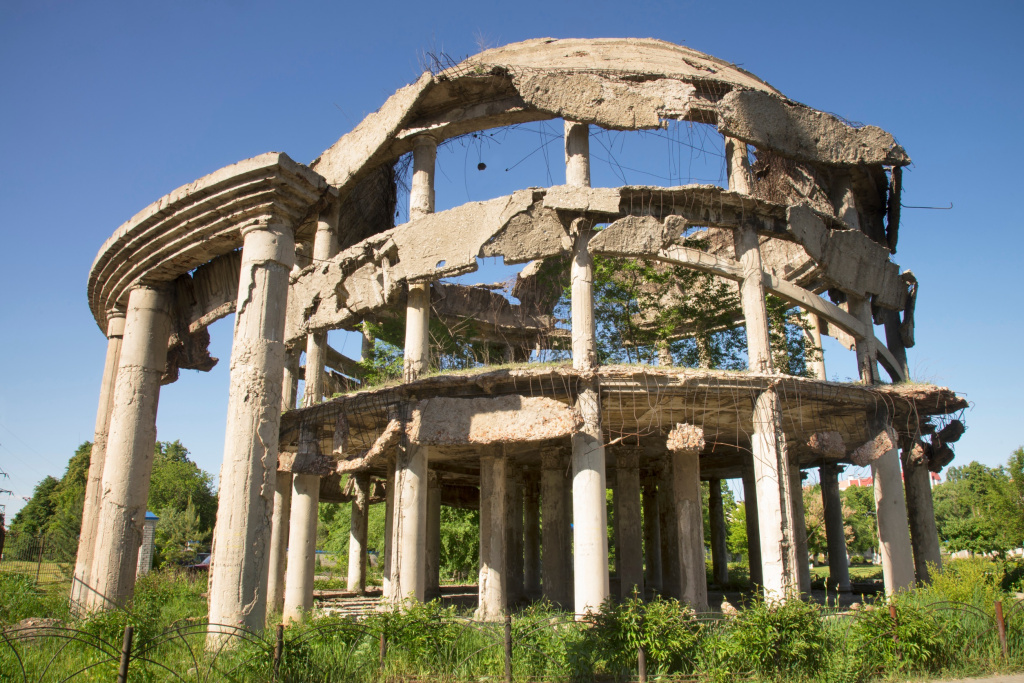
x=693 y=586
x=813 y=344
x=298 y=591
x=279 y=542
x=421 y=191
x=358 y=527
x=893 y=531
x=417 y=331
x=290 y=381
x=768 y=443
x=366 y=347
x=630 y=534
x=514 y=538
x=719 y=534
x=556 y=548
x=671 y=579
x=97 y=457
x=494 y=481
x=652 y=536
x=867 y=363
x=409 y=566
x=835 y=532
x=531 y=536
x=894 y=340
x=486 y=491
x=389 y=530
x=325 y=246
x=433 y=579
x=800 y=527
x=590 y=524
x=753 y=529
x=613 y=541
x=241 y=538
x=924 y=536
x=128 y=463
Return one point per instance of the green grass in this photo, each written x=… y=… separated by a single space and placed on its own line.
x=858 y=572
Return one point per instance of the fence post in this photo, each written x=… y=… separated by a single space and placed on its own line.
x=895 y=627
x=508 y=647
x=383 y=649
x=278 y=649
x=1001 y=628
x=39 y=560
x=126 y=654
x=641 y=664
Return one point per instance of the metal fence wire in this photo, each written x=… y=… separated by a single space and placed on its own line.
x=433 y=646
x=47 y=558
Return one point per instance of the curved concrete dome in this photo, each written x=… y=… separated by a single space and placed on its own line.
x=624 y=55
x=198 y=222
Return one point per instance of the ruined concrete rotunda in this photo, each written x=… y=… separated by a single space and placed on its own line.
x=295 y=251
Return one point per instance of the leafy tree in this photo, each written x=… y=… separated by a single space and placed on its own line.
x=859 y=518
x=976 y=507
x=177 y=480
x=460 y=543
x=737 y=541
x=34 y=517
x=179 y=535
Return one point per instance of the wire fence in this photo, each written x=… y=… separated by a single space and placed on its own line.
x=530 y=645
x=46 y=558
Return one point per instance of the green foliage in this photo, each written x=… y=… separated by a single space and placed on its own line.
x=978 y=508
x=179 y=534
x=177 y=480
x=667 y=631
x=460 y=543
x=912 y=642
x=859 y=518
x=774 y=641
x=21 y=598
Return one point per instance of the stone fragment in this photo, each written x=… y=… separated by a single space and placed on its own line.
x=503 y=419
x=686 y=437
x=827 y=444
x=874 y=448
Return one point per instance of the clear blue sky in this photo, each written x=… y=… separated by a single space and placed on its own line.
x=107 y=107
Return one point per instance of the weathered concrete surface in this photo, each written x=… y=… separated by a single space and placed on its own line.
x=884 y=441
x=652 y=536
x=893 y=530
x=835 y=532
x=924 y=536
x=693 y=587
x=629 y=541
x=432 y=586
x=753 y=528
x=800 y=528
x=827 y=444
x=241 y=538
x=795 y=130
x=409 y=539
x=531 y=536
x=129 y=449
x=493 y=578
x=279 y=542
x=298 y=594
x=358 y=527
x=719 y=534
x=502 y=419
x=557 y=541
x=97 y=458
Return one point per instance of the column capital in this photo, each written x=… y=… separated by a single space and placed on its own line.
x=266 y=241
x=551 y=458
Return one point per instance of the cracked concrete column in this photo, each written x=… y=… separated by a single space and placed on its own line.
x=131 y=438
x=433 y=557
x=417 y=318
x=894 y=340
x=670 y=572
x=97 y=457
x=800 y=528
x=531 y=536
x=753 y=529
x=812 y=339
x=409 y=540
x=325 y=246
x=556 y=542
x=867 y=359
x=389 y=531
x=514 y=537
x=924 y=536
x=630 y=534
x=590 y=523
x=241 y=538
x=893 y=529
x=290 y=381
x=652 y=536
x=693 y=586
x=493 y=484
x=298 y=592
x=835 y=531
x=357 y=531
x=719 y=533
x=279 y=542
x=771 y=459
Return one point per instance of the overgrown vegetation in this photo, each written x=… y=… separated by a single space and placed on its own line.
x=945 y=629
